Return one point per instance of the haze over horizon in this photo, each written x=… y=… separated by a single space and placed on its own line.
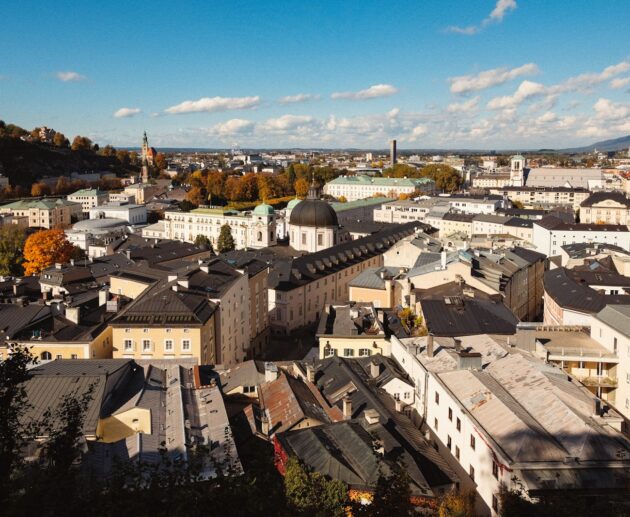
x=493 y=74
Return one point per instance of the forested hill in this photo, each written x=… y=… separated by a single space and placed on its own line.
x=25 y=162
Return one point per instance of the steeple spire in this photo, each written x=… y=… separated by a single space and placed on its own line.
x=313 y=191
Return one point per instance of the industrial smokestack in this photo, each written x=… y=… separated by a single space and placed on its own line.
x=393 y=157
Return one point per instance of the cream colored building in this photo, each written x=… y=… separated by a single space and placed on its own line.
x=166 y=324
x=88 y=198
x=611 y=328
x=143 y=192
x=534 y=197
x=491 y=180
x=45 y=213
x=377 y=286
x=451 y=223
x=93 y=344
x=361 y=186
x=180 y=306
x=605 y=208
x=351 y=330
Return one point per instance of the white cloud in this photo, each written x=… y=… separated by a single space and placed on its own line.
x=501 y=8
x=393 y=113
x=235 y=126
x=373 y=92
x=467 y=31
x=618 y=84
x=127 y=112
x=463 y=107
x=548 y=116
x=585 y=82
x=300 y=97
x=212 y=104
x=526 y=90
x=287 y=122
x=417 y=132
x=489 y=78
x=607 y=110
x=68 y=77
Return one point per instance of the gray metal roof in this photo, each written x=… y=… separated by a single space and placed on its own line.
x=371 y=278
x=617 y=317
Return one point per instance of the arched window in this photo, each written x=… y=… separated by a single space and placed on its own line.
x=260 y=236
x=45 y=356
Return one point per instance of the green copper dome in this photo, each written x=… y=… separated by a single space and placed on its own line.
x=263 y=209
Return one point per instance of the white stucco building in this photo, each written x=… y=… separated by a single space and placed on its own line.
x=550 y=234
x=133 y=214
x=360 y=187
x=505 y=417
x=255 y=229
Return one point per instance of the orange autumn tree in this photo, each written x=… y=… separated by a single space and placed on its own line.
x=44 y=248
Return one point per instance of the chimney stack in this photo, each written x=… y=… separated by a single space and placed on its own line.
x=597 y=407
x=73 y=314
x=264 y=424
x=347 y=407
x=103 y=296
x=375 y=369
x=310 y=373
x=271 y=372
x=458 y=345
x=430 y=351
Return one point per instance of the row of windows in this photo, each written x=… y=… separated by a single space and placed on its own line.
x=347 y=352
x=147 y=345
x=47 y=356
x=146 y=330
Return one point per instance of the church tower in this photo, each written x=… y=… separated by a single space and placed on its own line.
x=517 y=171
x=145 y=148
x=145 y=171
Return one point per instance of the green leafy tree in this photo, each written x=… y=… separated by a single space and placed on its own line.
x=226 y=241
x=457 y=504
x=392 y=496
x=203 y=241
x=446 y=177
x=11 y=247
x=14 y=371
x=311 y=493
x=401 y=170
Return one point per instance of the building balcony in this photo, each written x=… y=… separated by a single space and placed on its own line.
x=598 y=381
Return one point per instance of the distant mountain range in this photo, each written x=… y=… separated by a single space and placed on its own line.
x=615 y=144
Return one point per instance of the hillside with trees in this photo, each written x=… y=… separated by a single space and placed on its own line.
x=26 y=159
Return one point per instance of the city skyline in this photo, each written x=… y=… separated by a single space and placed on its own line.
x=496 y=74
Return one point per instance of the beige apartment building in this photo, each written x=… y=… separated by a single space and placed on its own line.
x=605 y=208
x=166 y=323
x=202 y=311
x=351 y=330
x=543 y=197
x=45 y=213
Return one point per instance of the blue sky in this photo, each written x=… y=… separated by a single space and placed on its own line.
x=444 y=73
